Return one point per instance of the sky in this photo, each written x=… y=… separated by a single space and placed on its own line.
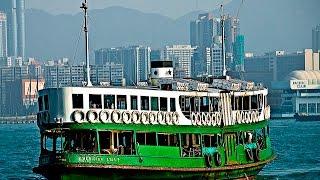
x=170 y=8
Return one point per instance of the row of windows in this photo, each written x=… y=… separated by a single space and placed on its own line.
x=120 y=102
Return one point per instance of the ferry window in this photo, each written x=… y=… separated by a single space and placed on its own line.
x=190 y=145
x=77 y=101
x=46 y=102
x=235 y=103
x=81 y=141
x=302 y=108
x=59 y=144
x=40 y=103
x=145 y=103
x=126 y=145
x=146 y=138
x=312 y=108
x=95 y=101
x=246 y=102
x=210 y=140
x=121 y=102
x=105 y=142
x=204 y=104
x=172 y=104
x=254 y=102
x=134 y=103
x=163 y=104
x=109 y=101
x=214 y=104
x=154 y=104
x=167 y=139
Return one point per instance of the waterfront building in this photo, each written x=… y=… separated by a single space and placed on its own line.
x=275 y=66
x=181 y=56
x=135 y=59
x=297 y=94
x=15 y=11
x=316 y=38
x=3 y=35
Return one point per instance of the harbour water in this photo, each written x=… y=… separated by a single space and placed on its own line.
x=297 y=145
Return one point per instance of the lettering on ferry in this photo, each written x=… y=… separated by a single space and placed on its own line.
x=88 y=159
x=112 y=159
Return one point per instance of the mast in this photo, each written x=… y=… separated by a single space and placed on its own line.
x=224 y=72
x=84 y=7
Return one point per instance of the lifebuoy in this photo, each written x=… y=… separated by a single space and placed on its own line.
x=104 y=116
x=243 y=117
x=238 y=116
x=153 y=118
x=249 y=153
x=126 y=117
x=214 y=119
x=116 y=117
x=199 y=119
x=247 y=115
x=218 y=120
x=135 y=117
x=78 y=116
x=168 y=118
x=203 y=119
x=161 y=117
x=144 y=118
x=209 y=119
x=92 y=116
x=175 y=118
x=217 y=159
x=193 y=118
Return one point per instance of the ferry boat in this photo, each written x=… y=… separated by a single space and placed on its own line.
x=164 y=128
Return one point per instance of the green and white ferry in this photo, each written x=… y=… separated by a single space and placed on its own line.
x=167 y=128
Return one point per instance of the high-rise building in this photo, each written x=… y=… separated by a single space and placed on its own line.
x=74 y=75
x=238 y=54
x=216 y=55
x=3 y=35
x=316 y=38
x=232 y=30
x=14 y=10
x=181 y=56
x=136 y=61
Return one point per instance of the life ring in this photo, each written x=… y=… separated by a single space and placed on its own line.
x=214 y=119
x=144 y=118
x=135 y=116
x=249 y=153
x=160 y=117
x=175 y=118
x=243 y=117
x=169 y=121
x=153 y=118
x=258 y=116
x=116 y=117
x=208 y=159
x=203 y=119
x=218 y=120
x=193 y=118
x=247 y=116
x=217 y=159
x=238 y=116
x=78 y=116
x=126 y=117
x=104 y=116
x=199 y=119
x=168 y=117
x=92 y=116
x=209 y=119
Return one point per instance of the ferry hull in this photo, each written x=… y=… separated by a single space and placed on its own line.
x=82 y=171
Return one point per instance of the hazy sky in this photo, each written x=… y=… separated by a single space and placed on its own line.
x=171 y=8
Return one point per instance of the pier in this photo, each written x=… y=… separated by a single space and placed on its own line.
x=19 y=119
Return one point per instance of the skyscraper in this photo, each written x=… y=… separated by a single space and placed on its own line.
x=238 y=53
x=3 y=35
x=136 y=61
x=232 y=30
x=14 y=10
x=181 y=56
x=316 y=38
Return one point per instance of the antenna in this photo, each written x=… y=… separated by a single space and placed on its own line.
x=84 y=7
x=224 y=73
